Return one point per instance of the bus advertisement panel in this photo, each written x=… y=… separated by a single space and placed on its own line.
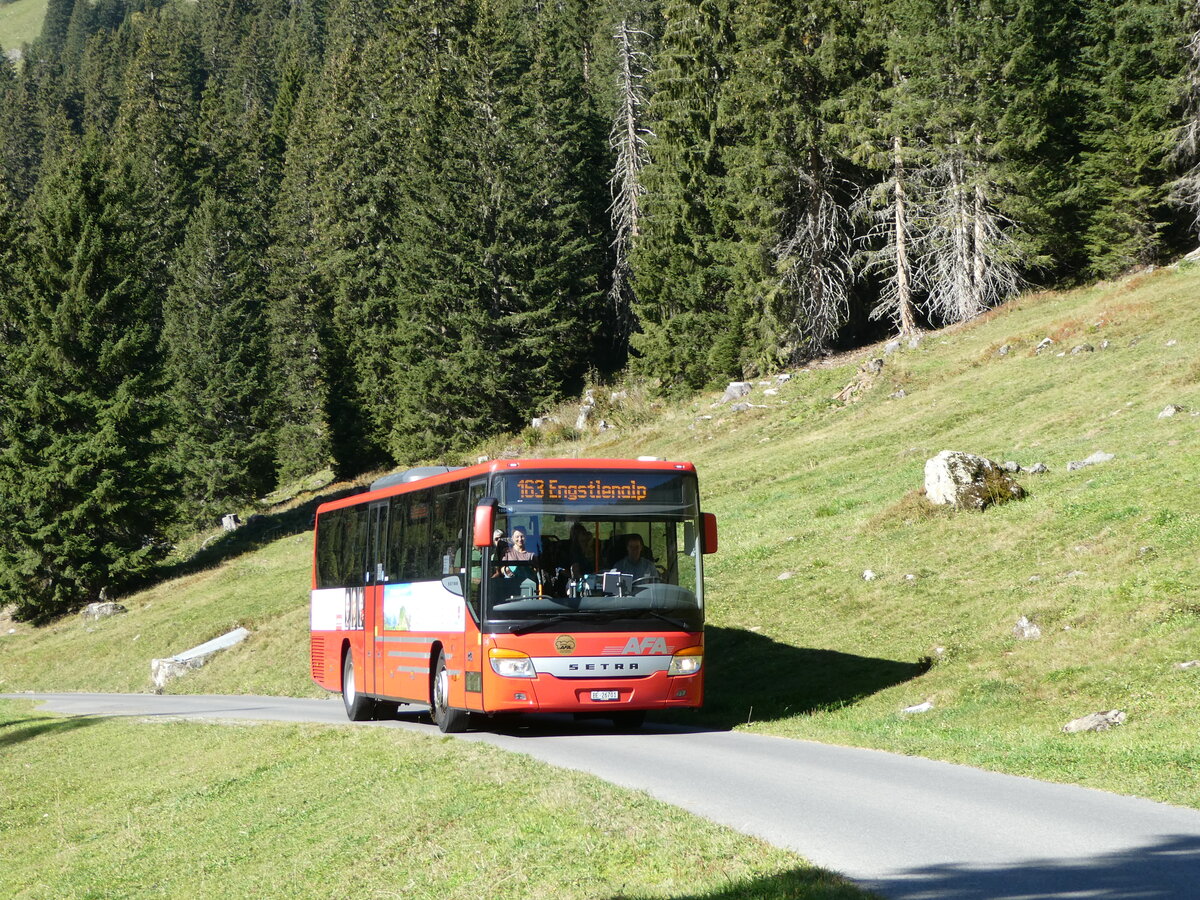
x=515 y=586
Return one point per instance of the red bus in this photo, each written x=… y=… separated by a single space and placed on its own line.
x=550 y=585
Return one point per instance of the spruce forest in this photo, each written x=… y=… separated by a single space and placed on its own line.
x=242 y=241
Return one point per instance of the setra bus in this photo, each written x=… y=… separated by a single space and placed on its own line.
x=550 y=585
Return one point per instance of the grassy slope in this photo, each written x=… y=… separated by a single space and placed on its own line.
x=824 y=491
x=20 y=22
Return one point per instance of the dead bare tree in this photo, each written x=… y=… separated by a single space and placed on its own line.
x=1185 y=191
x=628 y=139
x=969 y=261
x=813 y=260
x=889 y=242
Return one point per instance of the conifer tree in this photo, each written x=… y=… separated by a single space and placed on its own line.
x=305 y=363
x=781 y=108
x=1133 y=84
x=688 y=332
x=82 y=492
x=214 y=345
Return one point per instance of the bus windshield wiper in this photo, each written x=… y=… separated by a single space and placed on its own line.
x=677 y=623
x=579 y=615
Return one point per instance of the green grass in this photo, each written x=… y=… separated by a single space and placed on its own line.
x=102 y=807
x=20 y=22
x=1104 y=560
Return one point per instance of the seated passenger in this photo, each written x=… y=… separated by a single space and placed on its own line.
x=583 y=551
x=633 y=563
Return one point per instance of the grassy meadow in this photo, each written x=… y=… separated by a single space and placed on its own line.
x=128 y=808
x=810 y=492
x=20 y=22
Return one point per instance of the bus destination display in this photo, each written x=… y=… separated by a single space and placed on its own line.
x=564 y=490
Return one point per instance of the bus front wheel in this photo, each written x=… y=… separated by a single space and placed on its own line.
x=447 y=719
x=358 y=706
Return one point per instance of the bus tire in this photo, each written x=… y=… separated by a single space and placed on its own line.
x=358 y=706
x=448 y=719
x=629 y=720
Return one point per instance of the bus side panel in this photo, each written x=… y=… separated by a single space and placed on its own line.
x=418 y=617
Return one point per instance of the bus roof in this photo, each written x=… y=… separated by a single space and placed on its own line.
x=506 y=465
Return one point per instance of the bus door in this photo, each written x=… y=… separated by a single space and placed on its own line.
x=373 y=607
x=475 y=578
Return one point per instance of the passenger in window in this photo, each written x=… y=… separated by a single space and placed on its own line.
x=583 y=551
x=633 y=562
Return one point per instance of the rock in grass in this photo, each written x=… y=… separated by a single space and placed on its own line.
x=1100 y=721
x=1038 y=469
x=1098 y=457
x=94 y=611
x=919 y=708
x=735 y=391
x=1170 y=410
x=966 y=481
x=1190 y=664
x=868 y=575
x=1026 y=630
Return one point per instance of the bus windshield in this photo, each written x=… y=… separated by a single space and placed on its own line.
x=606 y=547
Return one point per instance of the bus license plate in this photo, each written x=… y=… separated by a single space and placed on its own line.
x=606 y=695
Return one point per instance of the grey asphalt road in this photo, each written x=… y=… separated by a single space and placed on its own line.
x=906 y=827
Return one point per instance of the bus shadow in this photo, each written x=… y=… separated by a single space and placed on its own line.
x=258 y=531
x=752 y=678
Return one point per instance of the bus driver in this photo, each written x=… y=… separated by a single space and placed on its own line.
x=634 y=563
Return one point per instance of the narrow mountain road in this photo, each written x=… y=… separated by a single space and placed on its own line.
x=906 y=827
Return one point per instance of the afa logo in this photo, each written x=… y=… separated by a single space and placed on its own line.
x=641 y=646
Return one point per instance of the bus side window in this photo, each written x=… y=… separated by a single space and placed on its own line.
x=396 y=555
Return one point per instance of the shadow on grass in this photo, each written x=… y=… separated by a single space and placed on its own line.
x=256 y=532
x=17 y=731
x=795 y=884
x=751 y=678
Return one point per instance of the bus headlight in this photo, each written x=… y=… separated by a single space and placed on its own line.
x=511 y=663
x=687 y=661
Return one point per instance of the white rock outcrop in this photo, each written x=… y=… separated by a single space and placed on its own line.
x=164 y=670
x=967 y=481
x=1100 y=721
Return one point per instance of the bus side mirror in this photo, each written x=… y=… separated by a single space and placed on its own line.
x=485 y=522
x=709 y=544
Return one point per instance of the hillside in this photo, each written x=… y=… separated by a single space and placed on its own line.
x=1103 y=559
x=20 y=23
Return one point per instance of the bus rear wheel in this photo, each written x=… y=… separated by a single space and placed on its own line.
x=358 y=706
x=449 y=720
